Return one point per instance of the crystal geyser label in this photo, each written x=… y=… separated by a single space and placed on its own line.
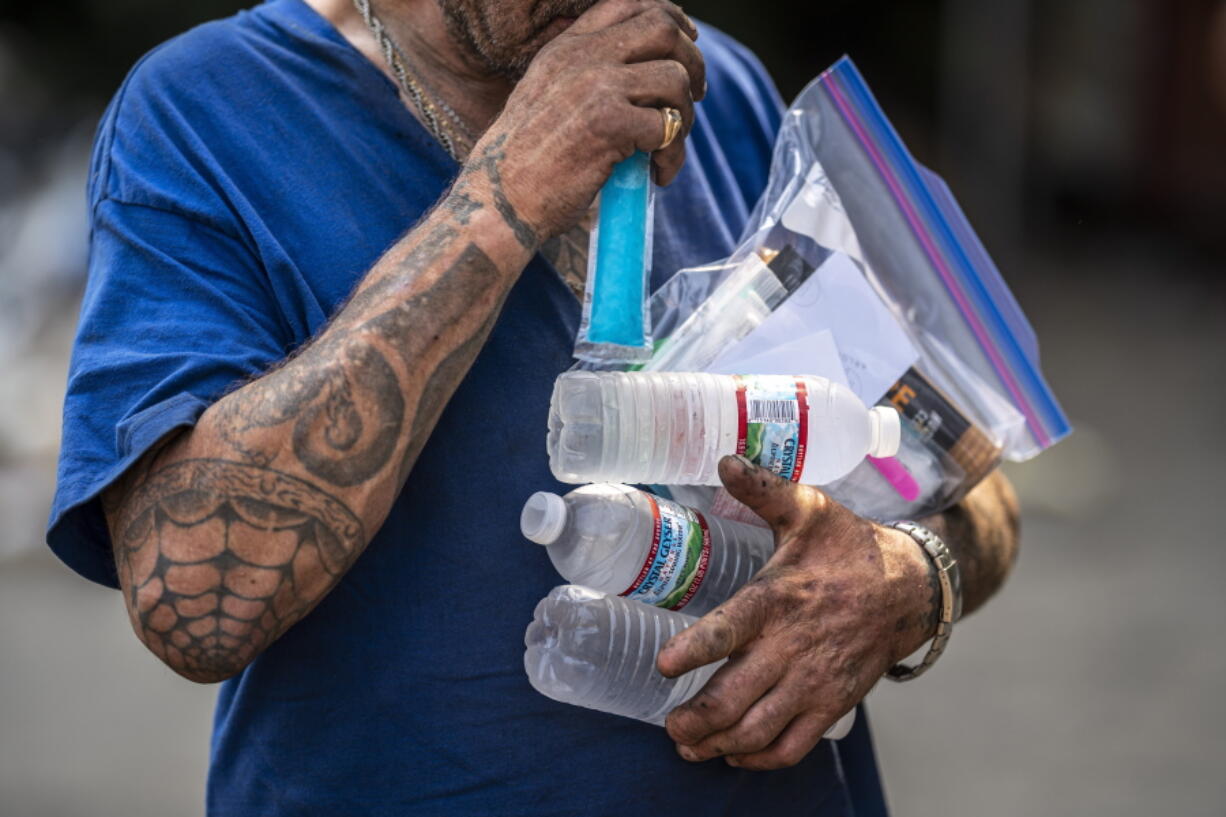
x=773 y=423
x=677 y=560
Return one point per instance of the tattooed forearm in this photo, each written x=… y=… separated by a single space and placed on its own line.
x=218 y=558
x=434 y=396
x=567 y=253
x=460 y=204
x=347 y=409
x=488 y=161
x=388 y=276
x=348 y=433
x=227 y=534
x=346 y=413
x=417 y=322
x=287 y=389
x=982 y=532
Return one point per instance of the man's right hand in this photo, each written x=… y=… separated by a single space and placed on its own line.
x=590 y=99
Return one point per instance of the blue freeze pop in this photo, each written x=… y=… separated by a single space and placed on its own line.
x=618 y=288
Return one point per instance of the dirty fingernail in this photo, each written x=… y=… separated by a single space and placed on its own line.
x=746 y=462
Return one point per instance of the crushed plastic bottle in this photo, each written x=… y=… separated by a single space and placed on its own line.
x=672 y=428
x=598 y=651
x=618 y=539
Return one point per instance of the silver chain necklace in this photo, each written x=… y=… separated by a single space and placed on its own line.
x=457 y=140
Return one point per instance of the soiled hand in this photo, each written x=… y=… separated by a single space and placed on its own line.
x=841 y=601
x=589 y=99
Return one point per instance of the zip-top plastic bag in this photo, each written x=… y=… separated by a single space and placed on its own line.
x=858 y=265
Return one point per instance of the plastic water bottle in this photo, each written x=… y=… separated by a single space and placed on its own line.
x=617 y=539
x=670 y=428
x=598 y=651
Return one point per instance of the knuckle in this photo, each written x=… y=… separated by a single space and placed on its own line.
x=786 y=757
x=659 y=17
x=604 y=81
x=774 y=712
x=753 y=738
x=719 y=635
x=684 y=726
x=663 y=28
x=810 y=686
x=679 y=75
x=716 y=710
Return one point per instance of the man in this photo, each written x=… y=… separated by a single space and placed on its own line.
x=333 y=258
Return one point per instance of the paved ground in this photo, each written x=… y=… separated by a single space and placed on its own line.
x=1090 y=687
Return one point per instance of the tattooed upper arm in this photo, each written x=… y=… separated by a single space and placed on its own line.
x=217 y=558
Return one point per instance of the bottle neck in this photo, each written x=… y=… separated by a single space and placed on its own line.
x=544 y=518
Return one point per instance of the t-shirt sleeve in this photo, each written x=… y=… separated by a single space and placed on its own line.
x=175 y=313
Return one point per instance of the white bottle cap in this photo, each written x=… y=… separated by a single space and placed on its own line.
x=887 y=431
x=543 y=518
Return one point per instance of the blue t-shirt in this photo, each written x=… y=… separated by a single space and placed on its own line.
x=245 y=177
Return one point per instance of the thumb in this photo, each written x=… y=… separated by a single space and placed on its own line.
x=765 y=493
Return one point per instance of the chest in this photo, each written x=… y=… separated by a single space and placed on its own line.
x=338 y=197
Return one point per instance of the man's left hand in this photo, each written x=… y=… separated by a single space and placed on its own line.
x=839 y=603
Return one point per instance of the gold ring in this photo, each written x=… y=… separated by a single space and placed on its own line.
x=672 y=125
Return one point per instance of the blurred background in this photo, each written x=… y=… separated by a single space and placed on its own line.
x=1086 y=140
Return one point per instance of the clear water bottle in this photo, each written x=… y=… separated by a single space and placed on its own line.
x=671 y=428
x=598 y=651
x=618 y=539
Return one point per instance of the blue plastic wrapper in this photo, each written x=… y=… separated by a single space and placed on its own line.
x=616 y=321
